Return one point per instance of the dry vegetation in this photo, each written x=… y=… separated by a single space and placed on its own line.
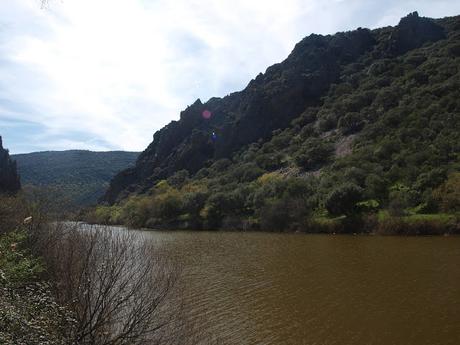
x=113 y=282
x=74 y=285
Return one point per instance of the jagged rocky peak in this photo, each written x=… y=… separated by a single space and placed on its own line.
x=413 y=31
x=9 y=178
x=344 y=45
x=192 y=109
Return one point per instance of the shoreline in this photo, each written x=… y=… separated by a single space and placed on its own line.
x=392 y=226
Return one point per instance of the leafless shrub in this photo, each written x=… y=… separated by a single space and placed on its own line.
x=15 y=209
x=114 y=283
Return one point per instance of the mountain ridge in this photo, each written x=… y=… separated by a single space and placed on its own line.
x=81 y=175
x=269 y=102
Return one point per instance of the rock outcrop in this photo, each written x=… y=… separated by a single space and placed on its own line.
x=9 y=178
x=412 y=32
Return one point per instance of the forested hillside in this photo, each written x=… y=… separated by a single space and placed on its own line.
x=80 y=177
x=9 y=178
x=358 y=123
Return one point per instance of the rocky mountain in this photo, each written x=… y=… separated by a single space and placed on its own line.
x=9 y=178
x=220 y=127
x=81 y=176
x=349 y=130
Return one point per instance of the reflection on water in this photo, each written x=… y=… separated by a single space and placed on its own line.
x=254 y=288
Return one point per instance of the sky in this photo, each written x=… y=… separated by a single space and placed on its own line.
x=106 y=74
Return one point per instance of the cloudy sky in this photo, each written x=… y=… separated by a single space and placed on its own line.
x=106 y=74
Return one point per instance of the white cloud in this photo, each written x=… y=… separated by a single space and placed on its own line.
x=106 y=74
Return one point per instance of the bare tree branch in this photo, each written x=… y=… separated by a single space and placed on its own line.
x=115 y=284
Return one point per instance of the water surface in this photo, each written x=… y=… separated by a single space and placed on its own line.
x=259 y=288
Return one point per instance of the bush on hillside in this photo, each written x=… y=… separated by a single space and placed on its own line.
x=448 y=194
x=344 y=199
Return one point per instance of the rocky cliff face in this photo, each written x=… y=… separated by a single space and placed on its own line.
x=9 y=178
x=222 y=126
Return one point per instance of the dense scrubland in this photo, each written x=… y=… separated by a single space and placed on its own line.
x=286 y=204
x=356 y=132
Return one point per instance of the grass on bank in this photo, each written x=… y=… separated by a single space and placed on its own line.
x=383 y=223
x=415 y=217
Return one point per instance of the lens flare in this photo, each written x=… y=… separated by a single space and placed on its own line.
x=206 y=114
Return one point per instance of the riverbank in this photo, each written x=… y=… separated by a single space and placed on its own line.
x=381 y=223
x=275 y=203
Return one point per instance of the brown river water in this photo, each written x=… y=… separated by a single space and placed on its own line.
x=259 y=288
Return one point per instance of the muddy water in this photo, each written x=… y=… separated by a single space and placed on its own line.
x=256 y=288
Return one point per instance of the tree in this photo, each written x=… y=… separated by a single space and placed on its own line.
x=376 y=187
x=448 y=194
x=285 y=213
x=9 y=178
x=217 y=206
x=350 y=123
x=343 y=200
x=313 y=153
x=275 y=215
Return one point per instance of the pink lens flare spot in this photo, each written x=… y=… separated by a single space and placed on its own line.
x=206 y=114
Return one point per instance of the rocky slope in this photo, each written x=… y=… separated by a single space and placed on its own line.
x=328 y=89
x=222 y=126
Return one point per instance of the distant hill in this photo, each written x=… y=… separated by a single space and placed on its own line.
x=80 y=176
x=9 y=179
x=360 y=120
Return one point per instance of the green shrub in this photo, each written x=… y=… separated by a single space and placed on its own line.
x=448 y=194
x=247 y=172
x=135 y=211
x=178 y=179
x=285 y=213
x=344 y=200
x=350 y=123
x=313 y=153
x=17 y=265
